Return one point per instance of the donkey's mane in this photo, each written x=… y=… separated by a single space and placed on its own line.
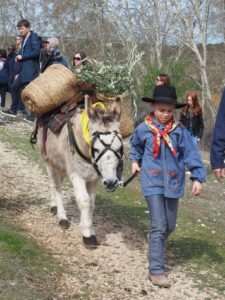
x=106 y=116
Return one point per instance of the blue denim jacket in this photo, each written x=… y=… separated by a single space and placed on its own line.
x=166 y=174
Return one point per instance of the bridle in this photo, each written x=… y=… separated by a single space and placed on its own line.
x=107 y=147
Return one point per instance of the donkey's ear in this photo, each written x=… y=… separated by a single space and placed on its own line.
x=91 y=112
x=117 y=108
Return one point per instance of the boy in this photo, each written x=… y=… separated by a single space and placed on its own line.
x=28 y=59
x=160 y=150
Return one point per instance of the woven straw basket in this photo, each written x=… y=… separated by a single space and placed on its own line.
x=127 y=120
x=51 y=89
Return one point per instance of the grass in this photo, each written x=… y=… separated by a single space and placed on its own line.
x=27 y=271
x=198 y=242
x=20 y=142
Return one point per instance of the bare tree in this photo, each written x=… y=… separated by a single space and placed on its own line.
x=11 y=11
x=192 y=30
x=147 y=23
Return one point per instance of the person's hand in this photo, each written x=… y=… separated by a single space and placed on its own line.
x=135 y=167
x=219 y=173
x=197 y=188
x=19 y=57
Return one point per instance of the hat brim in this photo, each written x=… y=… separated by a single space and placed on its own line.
x=165 y=101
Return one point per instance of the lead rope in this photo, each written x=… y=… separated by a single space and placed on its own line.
x=129 y=179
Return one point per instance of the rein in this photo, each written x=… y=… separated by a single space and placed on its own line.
x=129 y=179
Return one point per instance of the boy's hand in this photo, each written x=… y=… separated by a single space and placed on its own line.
x=219 y=173
x=135 y=167
x=197 y=188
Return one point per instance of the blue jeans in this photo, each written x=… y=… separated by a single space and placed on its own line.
x=163 y=215
x=16 y=89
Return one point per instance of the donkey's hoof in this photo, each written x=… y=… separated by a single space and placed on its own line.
x=54 y=210
x=64 y=224
x=90 y=242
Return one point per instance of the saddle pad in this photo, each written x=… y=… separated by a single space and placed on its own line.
x=85 y=122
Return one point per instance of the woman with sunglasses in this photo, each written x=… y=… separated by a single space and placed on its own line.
x=163 y=79
x=79 y=59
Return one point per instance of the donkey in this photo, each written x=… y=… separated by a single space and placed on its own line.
x=104 y=155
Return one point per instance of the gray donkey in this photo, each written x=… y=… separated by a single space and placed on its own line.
x=104 y=160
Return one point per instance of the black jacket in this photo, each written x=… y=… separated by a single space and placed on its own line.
x=196 y=126
x=53 y=57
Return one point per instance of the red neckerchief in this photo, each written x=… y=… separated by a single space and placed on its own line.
x=158 y=134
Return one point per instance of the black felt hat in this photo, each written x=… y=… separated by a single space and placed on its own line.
x=164 y=94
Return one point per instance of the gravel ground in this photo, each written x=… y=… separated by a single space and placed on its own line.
x=117 y=269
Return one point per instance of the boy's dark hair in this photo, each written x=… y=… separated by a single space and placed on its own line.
x=23 y=22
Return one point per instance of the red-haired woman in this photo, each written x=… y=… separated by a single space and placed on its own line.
x=191 y=116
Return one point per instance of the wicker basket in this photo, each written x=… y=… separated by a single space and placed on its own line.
x=51 y=89
x=127 y=120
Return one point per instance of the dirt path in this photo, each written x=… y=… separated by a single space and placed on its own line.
x=116 y=270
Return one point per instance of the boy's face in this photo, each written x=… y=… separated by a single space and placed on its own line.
x=23 y=30
x=163 y=112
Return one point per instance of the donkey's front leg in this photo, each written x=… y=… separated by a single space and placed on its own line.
x=84 y=204
x=56 y=197
x=91 y=188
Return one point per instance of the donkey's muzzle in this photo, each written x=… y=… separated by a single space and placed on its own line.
x=110 y=185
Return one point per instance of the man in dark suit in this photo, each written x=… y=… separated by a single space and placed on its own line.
x=28 y=56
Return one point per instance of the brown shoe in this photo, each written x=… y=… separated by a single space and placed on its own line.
x=159 y=280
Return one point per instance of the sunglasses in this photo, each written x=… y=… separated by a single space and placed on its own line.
x=158 y=79
x=77 y=58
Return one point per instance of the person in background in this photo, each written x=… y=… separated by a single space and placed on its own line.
x=19 y=40
x=160 y=150
x=10 y=62
x=17 y=69
x=44 y=53
x=28 y=56
x=3 y=80
x=79 y=60
x=54 y=55
x=13 y=68
x=3 y=57
x=217 y=149
x=191 y=117
x=8 y=73
x=163 y=79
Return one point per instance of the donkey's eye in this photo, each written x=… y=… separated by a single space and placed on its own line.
x=120 y=149
x=96 y=151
